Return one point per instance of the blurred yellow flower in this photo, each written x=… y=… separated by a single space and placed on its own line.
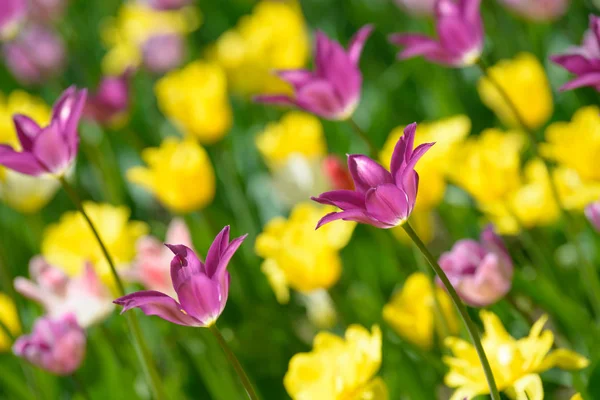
x=576 y=144
x=70 y=243
x=298 y=256
x=526 y=84
x=577 y=396
x=295 y=133
x=488 y=166
x=532 y=204
x=411 y=311
x=273 y=37
x=134 y=24
x=338 y=368
x=447 y=134
x=10 y=319
x=575 y=194
x=24 y=193
x=195 y=99
x=516 y=364
x=179 y=174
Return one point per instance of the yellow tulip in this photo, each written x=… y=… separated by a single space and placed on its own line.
x=70 y=243
x=179 y=174
x=9 y=319
x=195 y=99
x=576 y=144
x=526 y=84
x=298 y=256
x=411 y=314
x=134 y=24
x=24 y=193
x=433 y=170
x=516 y=363
x=488 y=166
x=273 y=37
x=575 y=193
x=338 y=368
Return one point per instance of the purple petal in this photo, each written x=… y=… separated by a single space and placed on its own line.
x=388 y=204
x=344 y=199
x=27 y=130
x=296 y=77
x=184 y=265
x=216 y=249
x=67 y=112
x=403 y=149
x=319 y=97
x=204 y=298
x=410 y=184
x=412 y=162
x=581 y=81
x=227 y=254
x=367 y=173
x=156 y=303
x=357 y=43
x=24 y=163
x=470 y=10
x=51 y=149
x=323 y=49
x=355 y=215
x=575 y=63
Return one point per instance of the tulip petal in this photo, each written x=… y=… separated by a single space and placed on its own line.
x=51 y=150
x=216 y=249
x=388 y=204
x=367 y=173
x=403 y=149
x=226 y=256
x=319 y=97
x=344 y=199
x=24 y=163
x=592 y=79
x=156 y=303
x=576 y=63
x=564 y=359
x=67 y=112
x=204 y=298
x=27 y=130
x=355 y=215
x=184 y=265
x=470 y=10
x=415 y=45
x=528 y=387
x=296 y=77
x=357 y=43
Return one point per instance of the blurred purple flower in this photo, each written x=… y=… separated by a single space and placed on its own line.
x=12 y=15
x=56 y=345
x=583 y=61
x=166 y=4
x=163 y=53
x=417 y=7
x=381 y=198
x=51 y=149
x=47 y=10
x=37 y=54
x=111 y=100
x=538 y=10
x=202 y=288
x=460 y=31
x=333 y=89
x=85 y=296
x=592 y=212
x=480 y=272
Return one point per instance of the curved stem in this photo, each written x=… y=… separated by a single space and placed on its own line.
x=365 y=138
x=234 y=362
x=489 y=376
x=138 y=340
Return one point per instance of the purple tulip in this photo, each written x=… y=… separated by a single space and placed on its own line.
x=56 y=345
x=201 y=288
x=480 y=272
x=583 y=61
x=592 y=212
x=166 y=4
x=51 y=149
x=538 y=10
x=37 y=54
x=460 y=30
x=110 y=101
x=12 y=15
x=333 y=89
x=163 y=53
x=380 y=198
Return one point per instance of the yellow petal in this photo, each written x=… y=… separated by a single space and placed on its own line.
x=565 y=359
x=375 y=390
x=528 y=387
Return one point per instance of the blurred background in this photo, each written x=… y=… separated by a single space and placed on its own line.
x=184 y=76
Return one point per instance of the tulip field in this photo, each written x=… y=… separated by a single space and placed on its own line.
x=300 y=199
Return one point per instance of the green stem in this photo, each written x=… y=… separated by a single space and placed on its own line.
x=461 y=309
x=138 y=340
x=234 y=362
x=80 y=387
x=365 y=138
